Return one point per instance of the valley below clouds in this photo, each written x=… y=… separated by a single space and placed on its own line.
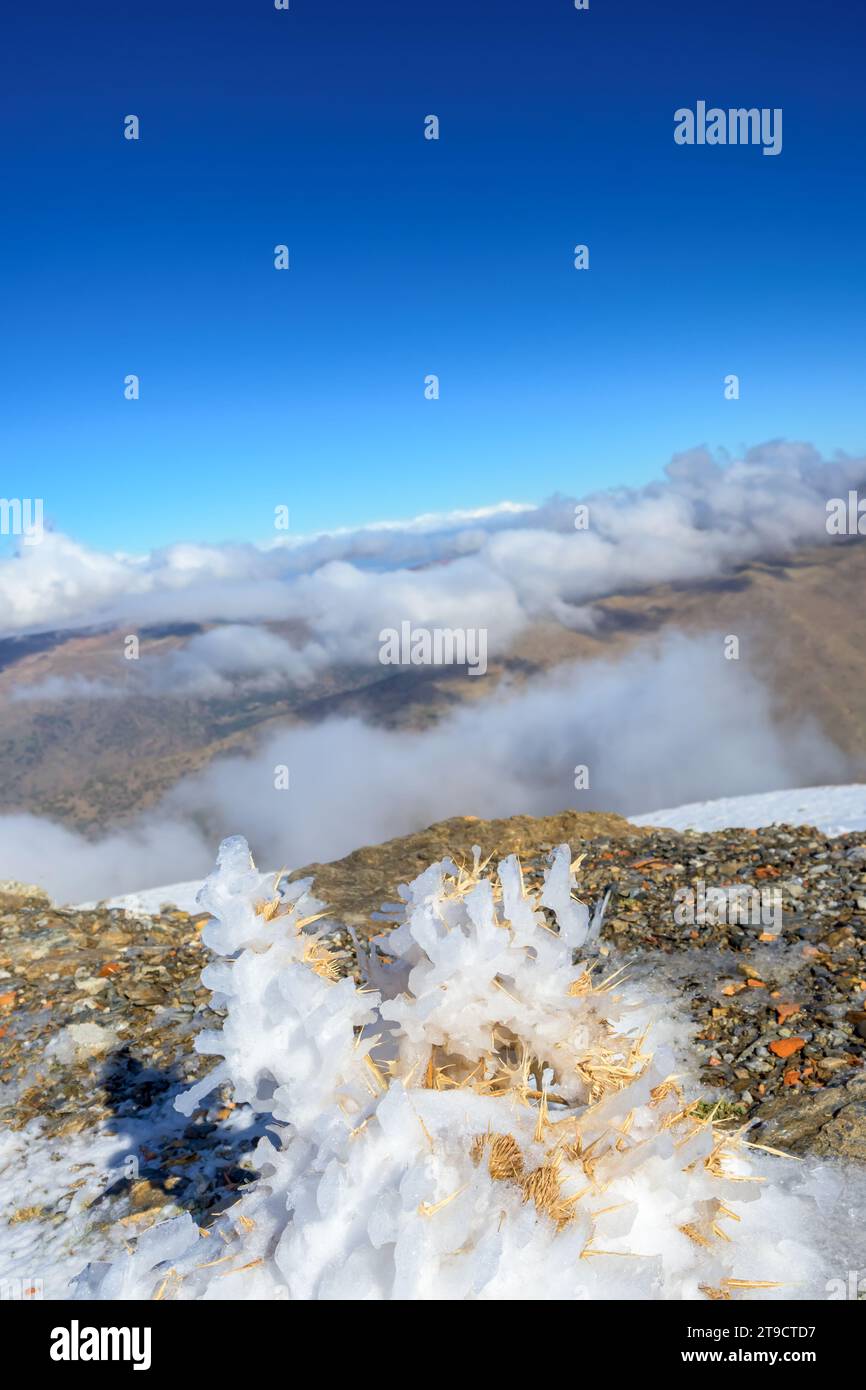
x=607 y=650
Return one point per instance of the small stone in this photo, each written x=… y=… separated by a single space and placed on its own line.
x=91 y=986
x=81 y=1040
x=143 y=1196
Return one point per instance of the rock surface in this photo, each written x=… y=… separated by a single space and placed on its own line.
x=830 y=1124
x=355 y=887
x=14 y=894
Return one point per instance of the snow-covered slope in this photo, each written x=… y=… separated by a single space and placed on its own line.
x=149 y=900
x=835 y=810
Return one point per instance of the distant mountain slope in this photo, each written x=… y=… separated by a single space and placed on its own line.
x=93 y=763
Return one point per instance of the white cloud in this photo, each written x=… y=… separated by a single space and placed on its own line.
x=212 y=664
x=672 y=722
x=212 y=661
x=73 y=868
x=500 y=568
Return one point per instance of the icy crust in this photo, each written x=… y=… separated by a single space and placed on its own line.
x=489 y=1121
x=289 y=1037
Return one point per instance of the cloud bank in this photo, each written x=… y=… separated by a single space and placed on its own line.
x=670 y=723
x=501 y=568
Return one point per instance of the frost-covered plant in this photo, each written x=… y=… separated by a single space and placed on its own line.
x=484 y=1118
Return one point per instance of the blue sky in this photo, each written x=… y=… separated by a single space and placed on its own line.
x=412 y=257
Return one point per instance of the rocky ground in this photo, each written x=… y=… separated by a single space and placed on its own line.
x=98 y=1008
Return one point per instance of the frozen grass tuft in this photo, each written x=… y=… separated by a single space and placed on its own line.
x=487 y=1117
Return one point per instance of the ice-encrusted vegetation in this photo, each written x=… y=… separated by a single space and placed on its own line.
x=486 y=1117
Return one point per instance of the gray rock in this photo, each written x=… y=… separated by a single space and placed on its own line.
x=830 y=1122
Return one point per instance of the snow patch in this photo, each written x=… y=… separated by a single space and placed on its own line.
x=149 y=901
x=832 y=810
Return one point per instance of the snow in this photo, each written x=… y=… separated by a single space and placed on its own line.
x=65 y=1199
x=150 y=900
x=833 y=810
x=52 y=1188
x=81 y=1040
x=492 y=1116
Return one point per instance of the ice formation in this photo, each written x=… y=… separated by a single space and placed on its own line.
x=485 y=1118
